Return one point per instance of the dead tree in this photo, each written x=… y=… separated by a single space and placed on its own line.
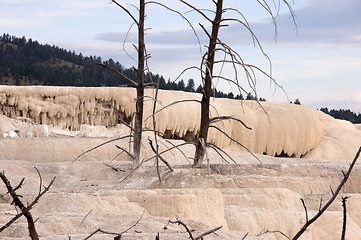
x=139 y=84
x=207 y=89
x=138 y=122
x=25 y=210
x=231 y=58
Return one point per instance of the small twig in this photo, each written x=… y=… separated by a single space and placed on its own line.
x=233 y=140
x=19 y=185
x=171 y=104
x=114 y=168
x=319 y=208
x=127 y=11
x=201 y=236
x=102 y=144
x=126 y=151
x=244 y=237
x=156 y=150
x=119 y=73
x=208 y=232
x=304 y=206
x=332 y=189
x=276 y=231
x=179 y=222
x=170 y=149
x=118 y=235
x=184 y=155
x=130 y=173
x=218 y=150
x=160 y=157
x=40 y=181
x=85 y=217
x=222 y=118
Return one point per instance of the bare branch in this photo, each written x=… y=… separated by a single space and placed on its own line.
x=208 y=232
x=179 y=222
x=171 y=104
x=24 y=210
x=124 y=41
x=126 y=151
x=182 y=16
x=82 y=221
x=334 y=195
x=319 y=208
x=178 y=149
x=244 y=237
x=304 y=206
x=20 y=184
x=131 y=172
x=127 y=11
x=189 y=231
x=102 y=144
x=118 y=235
x=269 y=231
x=158 y=155
x=197 y=10
x=170 y=149
x=114 y=168
x=233 y=140
x=156 y=150
x=119 y=73
x=40 y=180
x=222 y=118
x=219 y=150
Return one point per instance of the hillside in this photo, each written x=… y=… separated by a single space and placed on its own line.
x=27 y=62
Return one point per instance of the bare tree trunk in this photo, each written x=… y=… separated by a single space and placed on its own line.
x=138 y=123
x=207 y=90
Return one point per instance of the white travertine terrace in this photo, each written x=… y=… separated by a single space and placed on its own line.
x=277 y=128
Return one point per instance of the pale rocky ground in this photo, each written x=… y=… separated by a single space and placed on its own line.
x=247 y=197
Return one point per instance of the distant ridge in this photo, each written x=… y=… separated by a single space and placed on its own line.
x=26 y=62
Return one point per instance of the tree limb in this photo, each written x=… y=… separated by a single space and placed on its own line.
x=119 y=73
x=232 y=139
x=334 y=195
x=102 y=144
x=343 y=235
x=24 y=210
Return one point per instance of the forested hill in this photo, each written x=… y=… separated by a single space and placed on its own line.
x=26 y=62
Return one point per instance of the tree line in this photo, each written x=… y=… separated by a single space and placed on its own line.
x=27 y=62
x=343 y=114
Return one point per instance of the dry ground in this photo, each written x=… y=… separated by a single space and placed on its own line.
x=247 y=197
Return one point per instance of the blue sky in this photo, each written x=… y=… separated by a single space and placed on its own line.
x=319 y=62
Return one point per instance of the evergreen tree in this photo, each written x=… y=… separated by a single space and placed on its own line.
x=190 y=86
